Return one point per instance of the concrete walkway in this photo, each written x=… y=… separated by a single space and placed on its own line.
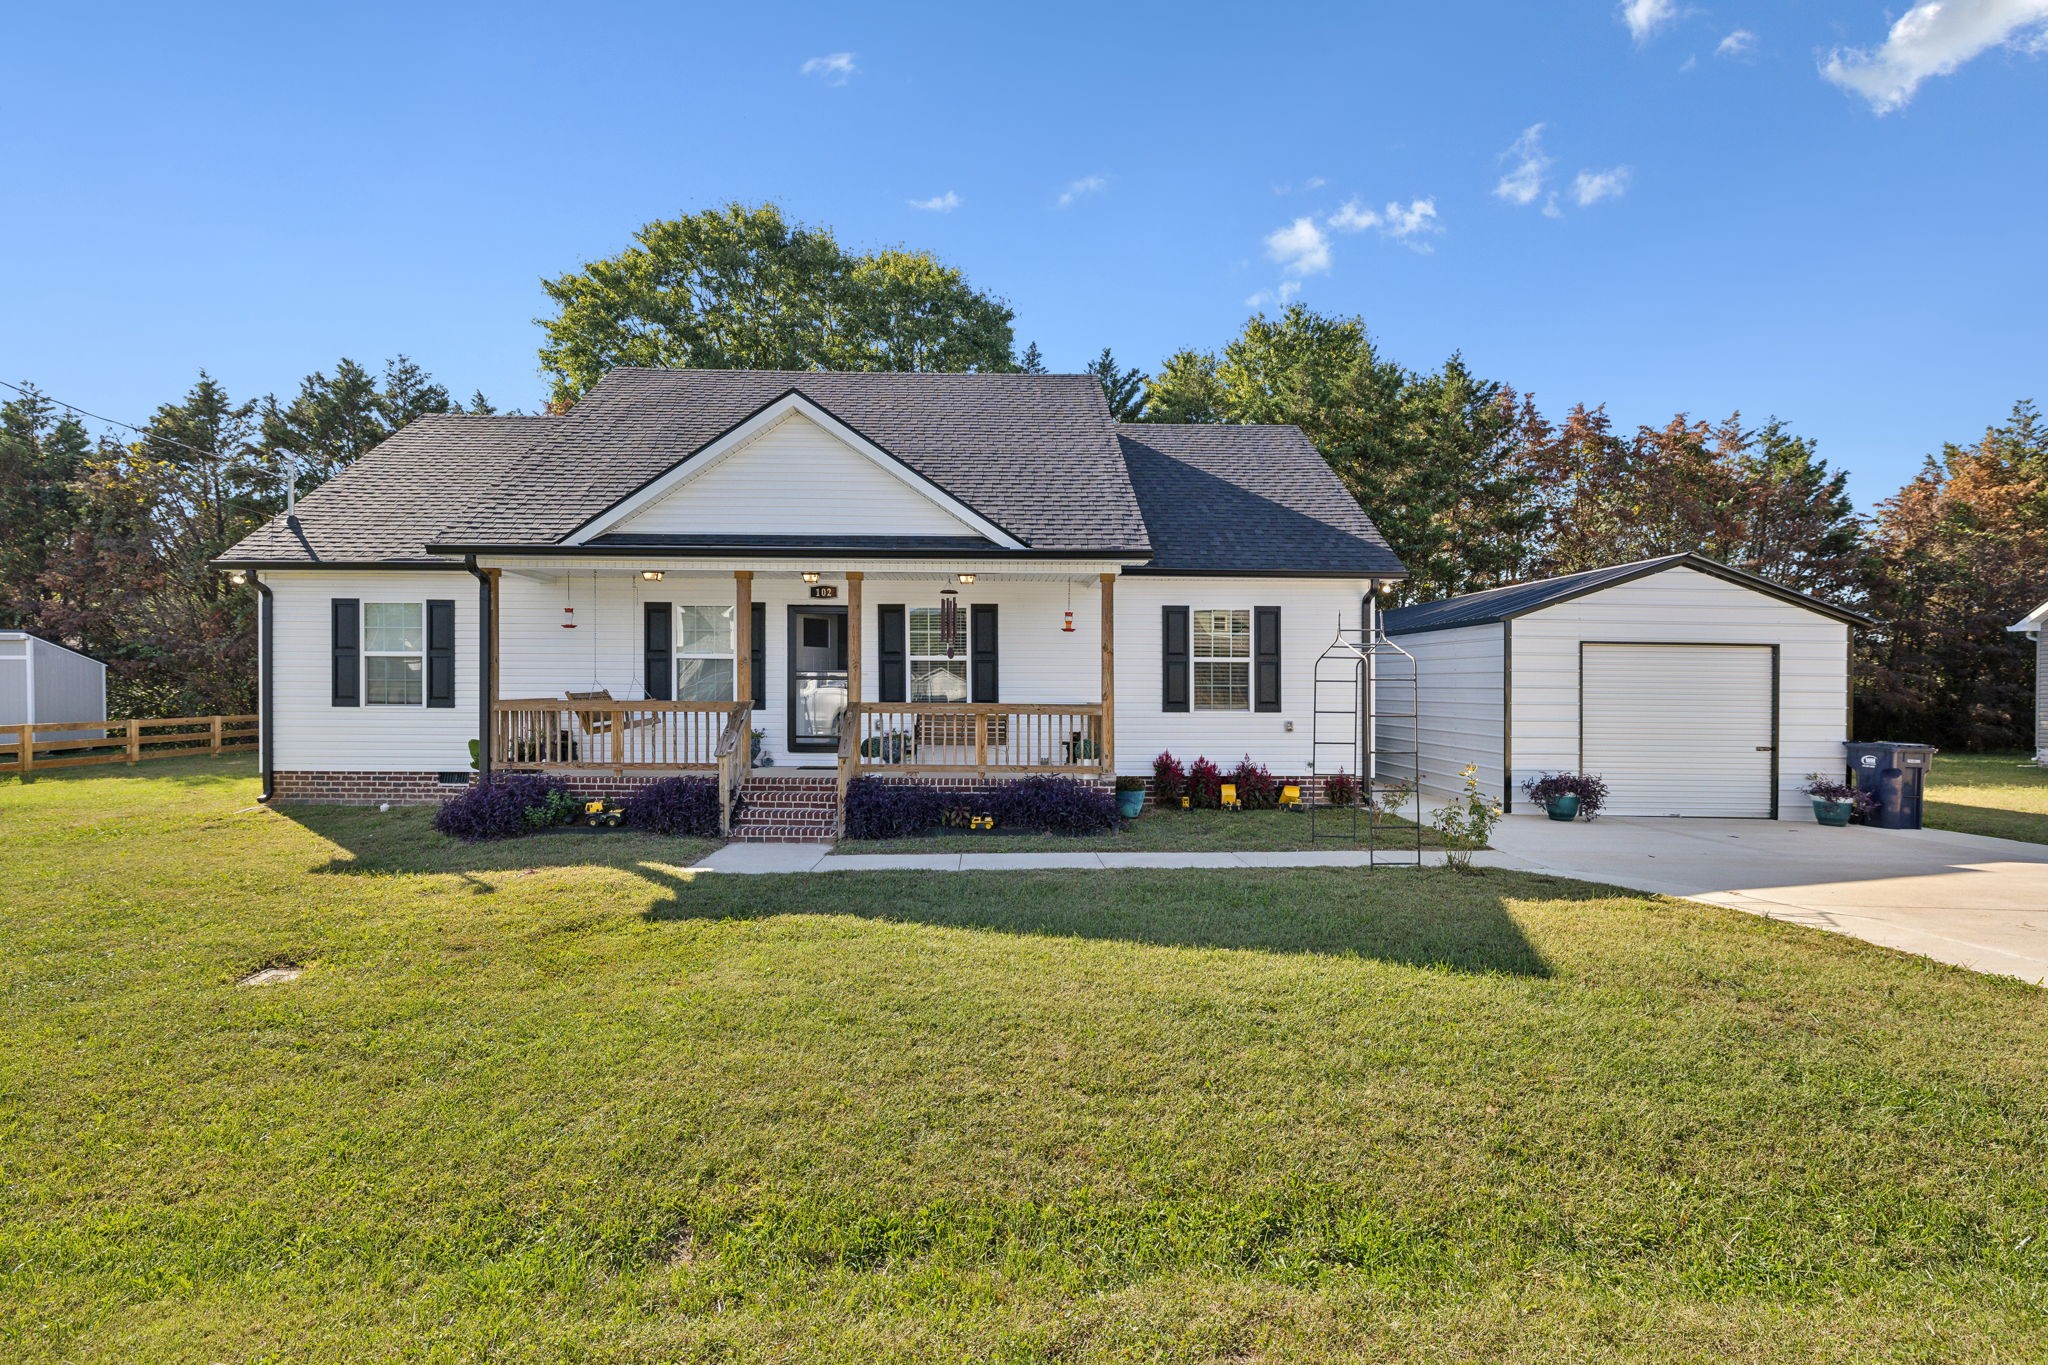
x=761 y=858
x=1962 y=898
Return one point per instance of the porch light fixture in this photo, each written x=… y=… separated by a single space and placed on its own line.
x=651 y=575
x=967 y=578
x=810 y=577
x=237 y=577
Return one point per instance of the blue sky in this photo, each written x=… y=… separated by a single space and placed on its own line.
x=1787 y=208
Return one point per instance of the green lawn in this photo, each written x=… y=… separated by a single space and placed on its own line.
x=1202 y=831
x=2004 y=795
x=562 y=1100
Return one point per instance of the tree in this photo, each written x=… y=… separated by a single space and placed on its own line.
x=1957 y=555
x=742 y=287
x=42 y=453
x=1432 y=457
x=1125 y=389
x=1803 y=529
x=1031 y=362
x=336 y=420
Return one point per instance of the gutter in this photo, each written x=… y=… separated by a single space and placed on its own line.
x=265 y=757
x=484 y=681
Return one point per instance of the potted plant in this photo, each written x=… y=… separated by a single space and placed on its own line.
x=1834 y=801
x=1130 y=796
x=1568 y=796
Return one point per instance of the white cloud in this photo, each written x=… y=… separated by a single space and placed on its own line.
x=1353 y=217
x=1314 y=182
x=1085 y=186
x=1258 y=299
x=833 y=68
x=1287 y=290
x=1550 y=208
x=1645 y=17
x=1932 y=39
x=1300 y=248
x=1415 y=220
x=1737 y=44
x=1524 y=183
x=1593 y=186
x=938 y=203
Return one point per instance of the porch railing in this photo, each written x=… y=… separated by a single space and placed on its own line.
x=975 y=737
x=553 y=734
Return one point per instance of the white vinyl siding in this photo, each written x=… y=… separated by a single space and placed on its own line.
x=796 y=478
x=1679 y=729
x=1311 y=610
x=1461 y=711
x=310 y=734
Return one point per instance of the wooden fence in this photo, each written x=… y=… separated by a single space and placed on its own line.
x=26 y=749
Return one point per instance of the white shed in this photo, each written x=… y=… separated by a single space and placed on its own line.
x=42 y=683
x=1690 y=687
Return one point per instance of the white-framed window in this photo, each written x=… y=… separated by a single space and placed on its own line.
x=933 y=676
x=1222 y=662
x=704 y=653
x=394 y=653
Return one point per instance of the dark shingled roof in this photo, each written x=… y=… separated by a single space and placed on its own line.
x=1519 y=599
x=1248 y=499
x=1034 y=453
x=388 y=504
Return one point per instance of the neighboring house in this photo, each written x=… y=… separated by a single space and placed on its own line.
x=937 y=576
x=1690 y=687
x=44 y=683
x=2035 y=627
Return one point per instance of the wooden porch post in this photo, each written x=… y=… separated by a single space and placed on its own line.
x=742 y=635
x=853 y=694
x=497 y=689
x=1109 y=672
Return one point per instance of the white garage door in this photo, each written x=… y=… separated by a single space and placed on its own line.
x=1679 y=729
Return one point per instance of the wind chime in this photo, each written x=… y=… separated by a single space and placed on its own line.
x=1068 y=627
x=949 y=620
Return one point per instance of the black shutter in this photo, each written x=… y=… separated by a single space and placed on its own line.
x=1173 y=665
x=440 y=653
x=348 y=652
x=981 y=672
x=758 y=665
x=659 y=667
x=1265 y=658
x=892 y=650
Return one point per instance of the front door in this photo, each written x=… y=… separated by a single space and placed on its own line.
x=817 y=677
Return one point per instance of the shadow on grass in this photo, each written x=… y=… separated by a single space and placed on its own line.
x=403 y=840
x=1430 y=918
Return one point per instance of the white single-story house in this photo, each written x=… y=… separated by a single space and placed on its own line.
x=944 y=577
x=45 y=683
x=2034 y=625
x=1692 y=688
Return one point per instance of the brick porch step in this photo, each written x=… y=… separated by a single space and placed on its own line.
x=787 y=807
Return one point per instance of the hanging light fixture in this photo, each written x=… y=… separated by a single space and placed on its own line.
x=810 y=576
x=1068 y=628
x=651 y=575
x=967 y=578
x=568 y=608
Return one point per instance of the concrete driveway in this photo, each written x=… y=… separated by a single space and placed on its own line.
x=1977 y=902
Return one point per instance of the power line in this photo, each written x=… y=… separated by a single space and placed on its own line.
x=111 y=421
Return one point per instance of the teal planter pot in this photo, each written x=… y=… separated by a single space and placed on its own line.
x=1128 y=804
x=1563 y=807
x=1835 y=813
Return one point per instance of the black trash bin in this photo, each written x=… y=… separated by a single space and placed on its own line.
x=1895 y=774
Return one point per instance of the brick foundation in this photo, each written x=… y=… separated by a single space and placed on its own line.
x=426 y=789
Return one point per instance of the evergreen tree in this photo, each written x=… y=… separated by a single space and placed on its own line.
x=42 y=454
x=1031 y=362
x=1125 y=389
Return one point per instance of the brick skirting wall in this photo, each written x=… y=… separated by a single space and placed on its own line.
x=426 y=789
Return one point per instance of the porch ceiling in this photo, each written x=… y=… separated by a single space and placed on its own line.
x=1041 y=571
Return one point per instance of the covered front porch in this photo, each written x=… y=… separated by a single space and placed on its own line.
x=938 y=669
